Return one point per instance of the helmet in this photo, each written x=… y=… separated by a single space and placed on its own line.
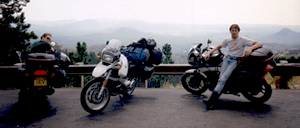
x=151 y=43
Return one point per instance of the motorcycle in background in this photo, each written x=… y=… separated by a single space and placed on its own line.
x=116 y=74
x=251 y=78
x=40 y=74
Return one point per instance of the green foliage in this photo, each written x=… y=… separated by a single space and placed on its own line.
x=168 y=54
x=13 y=32
x=81 y=55
x=158 y=80
x=72 y=81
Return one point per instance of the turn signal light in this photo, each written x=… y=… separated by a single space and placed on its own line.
x=97 y=57
x=40 y=72
x=269 y=68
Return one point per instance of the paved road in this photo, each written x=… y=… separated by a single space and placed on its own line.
x=166 y=108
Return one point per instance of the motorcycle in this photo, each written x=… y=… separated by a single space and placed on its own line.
x=251 y=78
x=41 y=74
x=114 y=75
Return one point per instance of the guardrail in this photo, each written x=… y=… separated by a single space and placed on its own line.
x=285 y=70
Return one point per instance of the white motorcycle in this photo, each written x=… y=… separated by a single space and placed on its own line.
x=111 y=78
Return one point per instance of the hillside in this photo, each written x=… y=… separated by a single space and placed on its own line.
x=95 y=32
x=284 y=36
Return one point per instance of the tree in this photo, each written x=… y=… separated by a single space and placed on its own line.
x=159 y=80
x=13 y=32
x=168 y=54
x=81 y=55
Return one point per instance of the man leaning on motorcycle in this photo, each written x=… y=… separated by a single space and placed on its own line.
x=43 y=46
x=236 y=50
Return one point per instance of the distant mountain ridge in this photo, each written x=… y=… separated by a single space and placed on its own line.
x=284 y=36
x=180 y=36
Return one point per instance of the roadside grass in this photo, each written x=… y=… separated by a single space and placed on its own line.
x=168 y=85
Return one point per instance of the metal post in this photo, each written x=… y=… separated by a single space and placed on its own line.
x=144 y=83
x=81 y=76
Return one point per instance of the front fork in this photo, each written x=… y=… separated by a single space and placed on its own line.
x=195 y=76
x=104 y=84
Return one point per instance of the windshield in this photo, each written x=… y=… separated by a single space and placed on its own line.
x=112 y=49
x=113 y=46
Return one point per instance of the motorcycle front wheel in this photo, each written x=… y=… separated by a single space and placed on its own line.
x=193 y=84
x=89 y=96
x=259 y=96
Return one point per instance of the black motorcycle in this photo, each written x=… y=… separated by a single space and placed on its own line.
x=251 y=78
x=41 y=74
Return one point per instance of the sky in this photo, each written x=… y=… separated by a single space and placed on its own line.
x=277 y=12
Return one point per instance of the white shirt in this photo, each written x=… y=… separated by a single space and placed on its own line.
x=237 y=46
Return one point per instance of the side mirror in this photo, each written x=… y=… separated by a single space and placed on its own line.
x=209 y=41
x=199 y=45
x=52 y=44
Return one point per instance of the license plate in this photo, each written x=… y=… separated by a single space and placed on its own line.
x=40 y=81
x=268 y=78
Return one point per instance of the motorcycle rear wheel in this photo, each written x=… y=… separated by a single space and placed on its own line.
x=260 y=97
x=89 y=100
x=188 y=81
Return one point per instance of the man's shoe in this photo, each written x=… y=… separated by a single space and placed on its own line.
x=212 y=100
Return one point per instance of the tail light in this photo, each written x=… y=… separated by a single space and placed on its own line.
x=269 y=68
x=40 y=72
x=53 y=74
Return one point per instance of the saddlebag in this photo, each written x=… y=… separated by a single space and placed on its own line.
x=44 y=59
x=155 y=57
x=141 y=57
x=136 y=55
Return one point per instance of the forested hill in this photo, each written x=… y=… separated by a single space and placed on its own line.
x=180 y=36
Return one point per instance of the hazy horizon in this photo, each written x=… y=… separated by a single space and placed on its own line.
x=197 y=12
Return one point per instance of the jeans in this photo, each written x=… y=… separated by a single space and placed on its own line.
x=229 y=64
x=60 y=78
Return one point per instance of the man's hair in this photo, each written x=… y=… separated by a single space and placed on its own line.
x=45 y=34
x=234 y=26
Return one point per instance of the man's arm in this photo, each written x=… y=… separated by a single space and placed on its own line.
x=255 y=45
x=212 y=51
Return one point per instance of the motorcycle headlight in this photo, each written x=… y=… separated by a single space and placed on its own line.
x=107 y=58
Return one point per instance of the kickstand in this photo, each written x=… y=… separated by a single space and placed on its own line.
x=121 y=100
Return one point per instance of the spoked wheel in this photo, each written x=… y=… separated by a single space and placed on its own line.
x=89 y=97
x=259 y=96
x=194 y=85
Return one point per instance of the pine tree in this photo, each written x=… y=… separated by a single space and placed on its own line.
x=13 y=32
x=81 y=55
x=168 y=54
x=159 y=80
